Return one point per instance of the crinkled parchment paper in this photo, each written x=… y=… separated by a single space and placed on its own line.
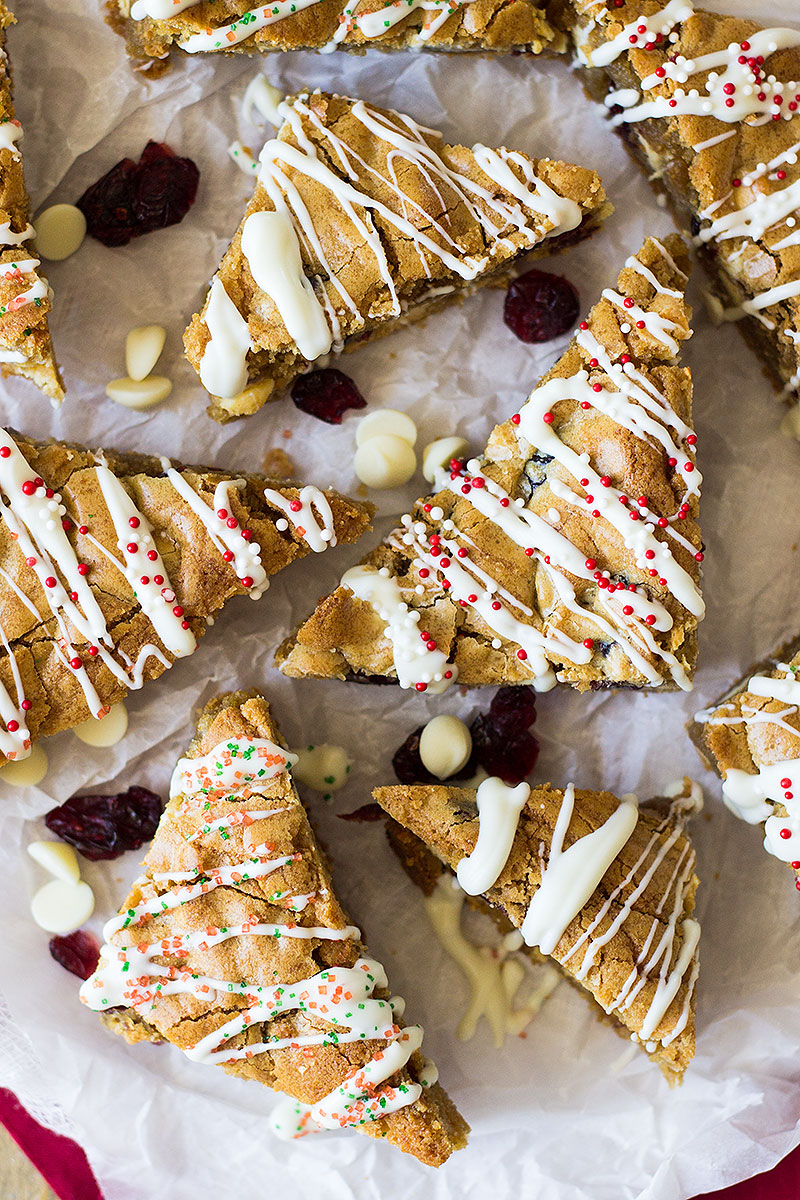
x=554 y=1116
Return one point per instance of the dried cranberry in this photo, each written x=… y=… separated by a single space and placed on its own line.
x=407 y=763
x=367 y=812
x=540 y=306
x=510 y=756
x=103 y=827
x=135 y=198
x=326 y=394
x=513 y=709
x=78 y=952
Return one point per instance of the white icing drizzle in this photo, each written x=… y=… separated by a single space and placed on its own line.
x=272 y=250
x=499 y=806
x=134 y=540
x=223 y=367
x=415 y=664
x=9 y=238
x=10 y=134
x=752 y=796
x=310 y=515
x=572 y=875
x=342 y=997
x=273 y=241
x=224 y=531
x=659 y=22
x=495 y=973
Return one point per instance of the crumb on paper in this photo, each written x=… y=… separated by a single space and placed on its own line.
x=277 y=464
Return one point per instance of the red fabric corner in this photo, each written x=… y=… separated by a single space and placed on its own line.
x=61 y=1161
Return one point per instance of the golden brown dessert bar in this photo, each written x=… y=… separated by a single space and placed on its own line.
x=152 y=28
x=112 y=564
x=233 y=946
x=570 y=550
x=363 y=220
x=602 y=886
x=751 y=736
x=25 y=296
x=708 y=105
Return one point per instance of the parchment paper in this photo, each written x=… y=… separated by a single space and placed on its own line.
x=554 y=1115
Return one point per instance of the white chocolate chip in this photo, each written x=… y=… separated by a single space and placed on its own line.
x=60 y=231
x=107 y=731
x=440 y=453
x=26 y=772
x=324 y=768
x=445 y=745
x=58 y=859
x=385 y=461
x=386 y=421
x=139 y=393
x=143 y=347
x=62 y=908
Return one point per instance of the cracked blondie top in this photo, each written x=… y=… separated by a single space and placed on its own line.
x=708 y=104
x=152 y=28
x=751 y=736
x=233 y=946
x=570 y=550
x=25 y=296
x=112 y=564
x=628 y=937
x=362 y=220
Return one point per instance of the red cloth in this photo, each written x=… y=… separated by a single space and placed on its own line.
x=65 y=1168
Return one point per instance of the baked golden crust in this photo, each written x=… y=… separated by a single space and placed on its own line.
x=736 y=734
x=36 y=655
x=25 y=345
x=487 y=26
x=430 y=1127
x=347 y=638
x=369 y=274
x=631 y=907
x=712 y=182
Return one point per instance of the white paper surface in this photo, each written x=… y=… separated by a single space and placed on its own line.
x=551 y=1116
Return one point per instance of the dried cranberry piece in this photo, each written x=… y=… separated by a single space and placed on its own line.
x=367 y=812
x=510 y=756
x=78 y=952
x=326 y=394
x=135 y=198
x=540 y=306
x=513 y=709
x=407 y=763
x=103 y=827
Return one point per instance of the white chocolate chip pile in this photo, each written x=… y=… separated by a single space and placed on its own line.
x=445 y=745
x=385 y=456
x=107 y=732
x=139 y=389
x=60 y=231
x=62 y=905
x=440 y=453
x=324 y=768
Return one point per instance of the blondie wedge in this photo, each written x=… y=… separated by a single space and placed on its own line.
x=233 y=946
x=363 y=220
x=25 y=345
x=602 y=886
x=112 y=564
x=752 y=737
x=570 y=550
x=152 y=28
x=708 y=105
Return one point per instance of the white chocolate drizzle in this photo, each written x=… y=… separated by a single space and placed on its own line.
x=310 y=515
x=499 y=806
x=341 y=997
